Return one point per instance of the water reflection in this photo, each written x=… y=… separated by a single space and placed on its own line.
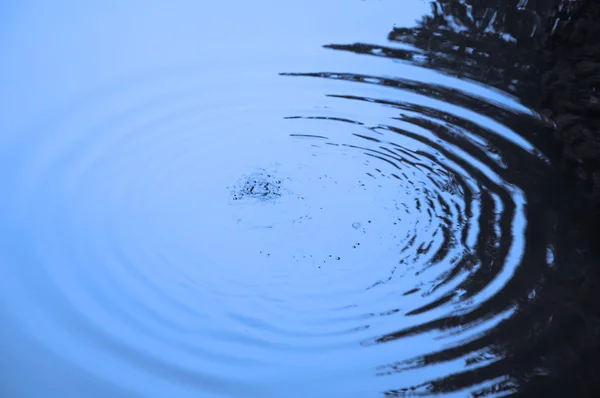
x=505 y=344
x=460 y=271
x=486 y=41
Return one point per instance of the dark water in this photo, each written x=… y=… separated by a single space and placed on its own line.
x=338 y=199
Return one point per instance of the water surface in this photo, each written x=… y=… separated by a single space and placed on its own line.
x=265 y=199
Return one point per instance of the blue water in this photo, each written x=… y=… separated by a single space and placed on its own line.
x=200 y=200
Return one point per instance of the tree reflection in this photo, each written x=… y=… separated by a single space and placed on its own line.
x=493 y=42
x=543 y=349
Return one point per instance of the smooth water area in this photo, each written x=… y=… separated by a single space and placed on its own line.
x=260 y=199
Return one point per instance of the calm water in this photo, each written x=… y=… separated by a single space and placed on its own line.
x=267 y=199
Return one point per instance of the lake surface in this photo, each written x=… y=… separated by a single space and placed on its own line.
x=272 y=199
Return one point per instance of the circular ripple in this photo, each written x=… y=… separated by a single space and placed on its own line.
x=256 y=242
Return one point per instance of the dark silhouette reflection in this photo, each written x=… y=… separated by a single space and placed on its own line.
x=543 y=348
x=493 y=42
